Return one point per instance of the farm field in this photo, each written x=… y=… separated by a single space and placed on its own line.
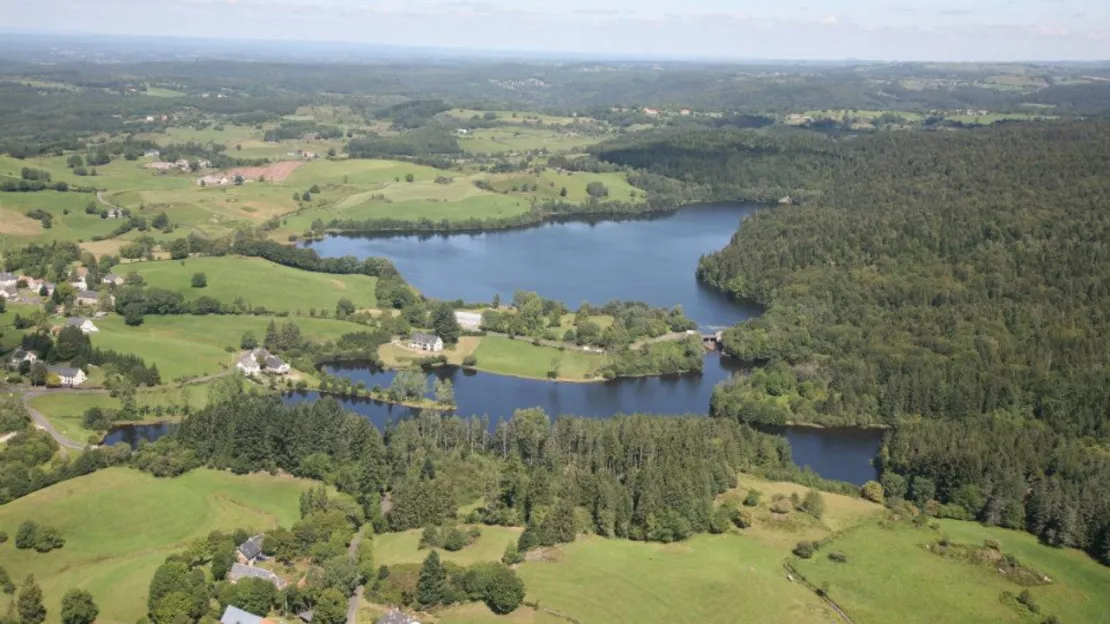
x=521 y=139
x=722 y=578
x=515 y=117
x=259 y=282
x=888 y=570
x=191 y=346
x=521 y=358
x=120 y=524
x=76 y=225
x=394 y=548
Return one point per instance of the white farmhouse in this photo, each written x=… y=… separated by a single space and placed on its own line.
x=260 y=360
x=426 y=342
x=69 y=377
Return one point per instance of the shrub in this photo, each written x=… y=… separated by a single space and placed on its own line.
x=25 y=535
x=454 y=540
x=838 y=557
x=1026 y=599
x=470 y=360
x=805 y=549
x=3 y=537
x=993 y=544
x=512 y=556
x=430 y=538
x=200 y=280
x=752 y=499
x=872 y=491
x=504 y=591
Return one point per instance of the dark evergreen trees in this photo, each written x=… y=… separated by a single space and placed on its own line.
x=431 y=589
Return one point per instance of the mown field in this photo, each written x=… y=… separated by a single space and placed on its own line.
x=191 y=346
x=521 y=358
x=120 y=524
x=725 y=579
x=889 y=574
x=394 y=548
x=521 y=139
x=258 y=282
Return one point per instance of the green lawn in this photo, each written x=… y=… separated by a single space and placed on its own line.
x=357 y=171
x=120 y=524
x=724 y=578
x=259 y=282
x=394 y=548
x=521 y=139
x=521 y=358
x=76 y=225
x=66 y=411
x=191 y=346
x=889 y=572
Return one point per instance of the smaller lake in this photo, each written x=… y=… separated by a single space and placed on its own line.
x=650 y=258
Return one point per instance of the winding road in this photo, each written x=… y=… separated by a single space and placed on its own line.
x=352 y=603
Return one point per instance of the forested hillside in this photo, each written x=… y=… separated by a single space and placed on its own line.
x=957 y=278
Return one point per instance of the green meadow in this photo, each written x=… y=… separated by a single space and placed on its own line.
x=889 y=570
x=68 y=218
x=259 y=282
x=708 y=579
x=120 y=524
x=500 y=355
x=395 y=548
x=192 y=346
x=523 y=139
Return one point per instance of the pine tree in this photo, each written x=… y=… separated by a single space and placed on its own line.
x=29 y=603
x=431 y=589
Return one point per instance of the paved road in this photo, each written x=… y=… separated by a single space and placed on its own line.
x=352 y=604
x=42 y=422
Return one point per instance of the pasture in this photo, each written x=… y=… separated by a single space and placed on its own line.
x=120 y=524
x=707 y=579
x=889 y=570
x=394 y=548
x=520 y=358
x=258 y=282
x=69 y=220
x=192 y=346
x=524 y=139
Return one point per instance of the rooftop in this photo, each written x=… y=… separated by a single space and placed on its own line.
x=396 y=617
x=63 y=371
x=423 y=339
x=252 y=548
x=235 y=615
x=240 y=571
x=76 y=321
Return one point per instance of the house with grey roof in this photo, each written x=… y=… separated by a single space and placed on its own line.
x=68 y=376
x=90 y=297
x=22 y=355
x=251 y=550
x=113 y=279
x=260 y=360
x=426 y=342
x=235 y=615
x=397 y=617
x=240 y=571
x=8 y=279
x=85 y=325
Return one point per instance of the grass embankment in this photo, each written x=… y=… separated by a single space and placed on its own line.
x=259 y=282
x=521 y=358
x=192 y=346
x=120 y=525
x=66 y=411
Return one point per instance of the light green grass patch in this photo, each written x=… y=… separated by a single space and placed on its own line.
x=521 y=358
x=394 y=548
x=259 y=282
x=356 y=171
x=707 y=579
x=890 y=572
x=66 y=411
x=521 y=139
x=77 y=225
x=191 y=346
x=120 y=524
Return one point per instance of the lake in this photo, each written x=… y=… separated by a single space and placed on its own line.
x=650 y=259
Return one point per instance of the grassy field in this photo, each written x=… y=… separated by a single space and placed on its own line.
x=259 y=282
x=520 y=139
x=120 y=524
x=724 y=578
x=191 y=346
x=394 y=548
x=521 y=358
x=76 y=225
x=66 y=411
x=889 y=571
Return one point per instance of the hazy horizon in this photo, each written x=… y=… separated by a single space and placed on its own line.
x=994 y=30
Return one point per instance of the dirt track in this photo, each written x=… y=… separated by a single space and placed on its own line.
x=275 y=172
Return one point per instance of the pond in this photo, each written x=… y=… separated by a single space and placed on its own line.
x=650 y=259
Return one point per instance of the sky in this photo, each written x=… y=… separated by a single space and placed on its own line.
x=941 y=30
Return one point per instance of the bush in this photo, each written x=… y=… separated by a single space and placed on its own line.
x=470 y=360
x=838 y=557
x=1026 y=598
x=814 y=504
x=993 y=545
x=200 y=280
x=25 y=535
x=805 y=549
x=430 y=538
x=504 y=591
x=512 y=556
x=752 y=499
x=454 y=540
x=872 y=491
